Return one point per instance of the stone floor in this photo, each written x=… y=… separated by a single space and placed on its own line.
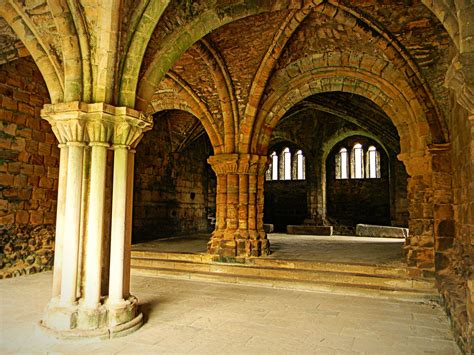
x=204 y=318
x=361 y=250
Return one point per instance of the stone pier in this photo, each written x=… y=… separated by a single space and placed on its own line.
x=239 y=206
x=91 y=295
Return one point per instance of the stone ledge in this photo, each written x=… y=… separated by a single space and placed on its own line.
x=309 y=229
x=368 y=230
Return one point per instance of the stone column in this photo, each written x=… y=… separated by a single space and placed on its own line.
x=79 y=307
x=95 y=230
x=72 y=220
x=119 y=201
x=239 y=230
x=60 y=208
x=419 y=245
x=128 y=224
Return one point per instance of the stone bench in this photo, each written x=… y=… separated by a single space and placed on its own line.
x=309 y=229
x=369 y=230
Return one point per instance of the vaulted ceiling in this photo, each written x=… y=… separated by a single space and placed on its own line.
x=222 y=61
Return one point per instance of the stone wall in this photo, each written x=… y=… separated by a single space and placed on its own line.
x=454 y=244
x=28 y=171
x=174 y=191
x=353 y=201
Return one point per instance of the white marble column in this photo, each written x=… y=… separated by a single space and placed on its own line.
x=119 y=208
x=79 y=306
x=60 y=208
x=95 y=227
x=72 y=220
x=129 y=222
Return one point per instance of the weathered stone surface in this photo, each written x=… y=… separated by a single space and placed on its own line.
x=367 y=230
x=240 y=67
x=25 y=249
x=309 y=229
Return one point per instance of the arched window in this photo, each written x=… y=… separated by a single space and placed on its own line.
x=357 y=168
x=268 y=173
x=342 y=164
x=272 y=172
x=373 y=163
x=285 y=167
x=300 y=165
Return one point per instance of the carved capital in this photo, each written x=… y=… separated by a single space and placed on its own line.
x=98 y=122
x=460 y=79
x=250 y=164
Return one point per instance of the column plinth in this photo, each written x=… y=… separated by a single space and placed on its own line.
x=80 y=307
x=239 y=207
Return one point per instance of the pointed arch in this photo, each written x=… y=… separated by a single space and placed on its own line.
x=74 y=55
x=145 y=17
x=27 y=33
x=190 y=33
x=284 y=33
x=225 y=89
x=374 y=81
x=184 y=98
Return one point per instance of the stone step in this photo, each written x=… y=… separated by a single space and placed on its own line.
x=289 y=274
x=332 y=286
x=364 y=269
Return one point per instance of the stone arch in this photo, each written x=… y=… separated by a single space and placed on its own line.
x=179 y=96
x=144 y=21
x=369 y=77
x=445 y=11
x=264 y=71
x=26 y=32
x=339 y=137
x=75 y=50
x=225 y=89
x=398 y=56
x=187 y=35
x=327 y=148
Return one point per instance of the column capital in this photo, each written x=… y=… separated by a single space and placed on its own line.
x=251 y=164
x=460 y=79
x=97 y=122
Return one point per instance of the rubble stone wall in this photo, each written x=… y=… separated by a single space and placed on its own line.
x=29 y=159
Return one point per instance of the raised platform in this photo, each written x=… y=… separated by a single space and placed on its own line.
x=369 y=230
x=309 y=229
x=349 y=279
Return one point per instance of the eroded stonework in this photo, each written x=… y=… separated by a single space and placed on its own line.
x=239 y=72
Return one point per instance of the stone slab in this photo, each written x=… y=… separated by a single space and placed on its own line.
x=369 y=230
x=309 y=229
x=268 y=228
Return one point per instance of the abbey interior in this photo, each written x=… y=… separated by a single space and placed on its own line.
x=126 y=122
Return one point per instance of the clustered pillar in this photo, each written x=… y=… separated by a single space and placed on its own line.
x=91 y=253
x=239 y=206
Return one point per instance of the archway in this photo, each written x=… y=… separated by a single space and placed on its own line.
x=285 y=187
x=174 y=184
x=357 y=184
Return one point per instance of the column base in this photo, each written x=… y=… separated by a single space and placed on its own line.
x=228 y=246
x=78 y=322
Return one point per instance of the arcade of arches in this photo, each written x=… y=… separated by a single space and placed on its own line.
x=137 y=119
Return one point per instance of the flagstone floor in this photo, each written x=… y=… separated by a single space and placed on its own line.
x=205 y=318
